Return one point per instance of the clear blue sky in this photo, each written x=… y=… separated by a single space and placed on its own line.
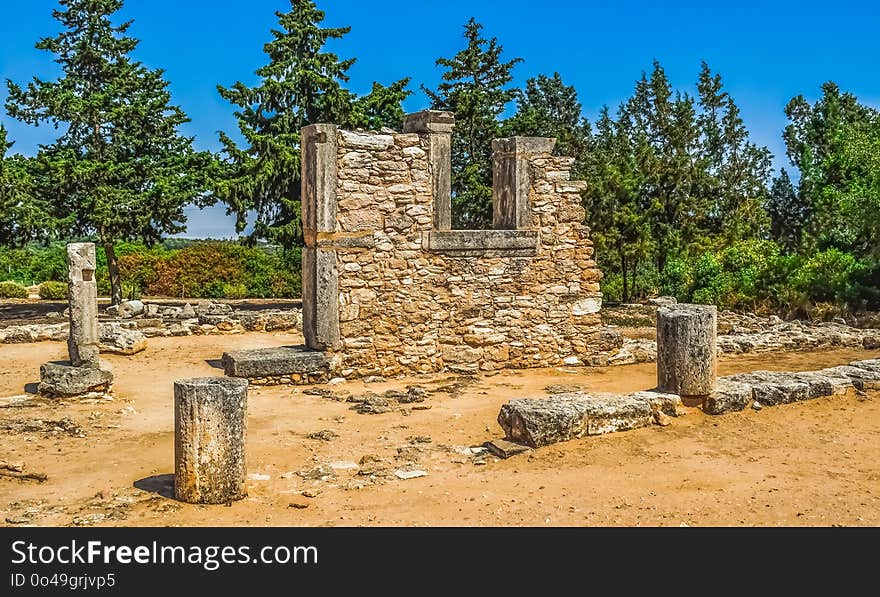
x=767 y=52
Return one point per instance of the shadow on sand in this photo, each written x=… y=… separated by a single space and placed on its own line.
x=160 y=484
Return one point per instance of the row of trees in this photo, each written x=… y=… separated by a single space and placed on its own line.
x=672 y=176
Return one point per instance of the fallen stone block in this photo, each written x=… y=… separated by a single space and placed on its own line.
x=272 y=362
x=771 y=388
x=729 y=396
x=118 y=340
x=63 y=379
x=129 y=309
x=539 y=422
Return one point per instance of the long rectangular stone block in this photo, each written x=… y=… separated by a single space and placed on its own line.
x=543 y=421
x=770 y=388
x=270 y=362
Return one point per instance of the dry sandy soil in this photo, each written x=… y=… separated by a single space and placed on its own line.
x=813 y=463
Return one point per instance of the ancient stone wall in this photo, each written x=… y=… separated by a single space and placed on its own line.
x=388 y=288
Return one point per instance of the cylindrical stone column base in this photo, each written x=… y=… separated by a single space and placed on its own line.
x=686 y=350
x=210 y=426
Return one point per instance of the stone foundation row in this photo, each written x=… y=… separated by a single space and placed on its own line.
x=771 y=388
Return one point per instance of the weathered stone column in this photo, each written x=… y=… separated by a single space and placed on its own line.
x=83 y=340
x=511 y=180
x=686 y=350
x=438 y=125
x=210 y=426
x=320 y=291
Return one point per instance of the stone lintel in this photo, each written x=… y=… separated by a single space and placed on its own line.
x=429 y=121
x=482 y=243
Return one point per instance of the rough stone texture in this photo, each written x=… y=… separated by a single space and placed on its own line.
x=771 y=388
x=862 y=378
x=539 y=422
x=65 y=380
x=739 y=333
x=403 y=308
x=213 y=318
x=210 y=428
x=319 y=205
x=129 y=309
x=729 y=396
x=687 y=359
x=273 y=362
x=118 y=340
x=438 y=125
x=511 y=209
x=82 y=342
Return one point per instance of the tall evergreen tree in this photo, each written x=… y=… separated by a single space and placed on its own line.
x=550 y=108
x=733 y=172
x=121 y=169
x=665 y=137
x=474 y=87
x=787 y=212
x=24 y=216
x=302 y=84
x=822 y=141
x=614 y=202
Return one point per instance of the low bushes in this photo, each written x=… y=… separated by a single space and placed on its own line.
x=13 y=290
x=176 y=268
x=53 y=291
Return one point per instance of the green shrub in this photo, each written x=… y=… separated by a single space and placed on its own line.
x=53 y=291
x=235 y=291
x=13 y=290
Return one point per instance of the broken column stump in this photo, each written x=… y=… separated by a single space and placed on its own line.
x=210 y=426
x=686 y=351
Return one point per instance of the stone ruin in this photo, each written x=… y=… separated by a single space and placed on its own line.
x=686 y=376
x=83 y=373
x=389 y=288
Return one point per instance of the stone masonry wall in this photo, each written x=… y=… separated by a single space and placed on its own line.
x=389 y=289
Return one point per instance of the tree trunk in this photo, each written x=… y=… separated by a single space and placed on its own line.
x=113 y=269
x=625 y=296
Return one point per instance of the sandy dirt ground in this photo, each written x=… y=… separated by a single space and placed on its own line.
x=812 y=463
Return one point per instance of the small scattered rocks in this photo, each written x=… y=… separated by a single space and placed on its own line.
x=343 y=465
x=326 y=435
x=66 y=426
x=322 y=472
x=372 y=405
x=563 y=388
x=503 y=448
x=410 y=474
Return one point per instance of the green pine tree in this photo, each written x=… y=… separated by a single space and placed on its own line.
x=24 y=216
x=121 y=170
x=830 y=143
x=787 y=212
x=732 y=171
x=474 y=87
x=550 y=108
x=302 y=84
